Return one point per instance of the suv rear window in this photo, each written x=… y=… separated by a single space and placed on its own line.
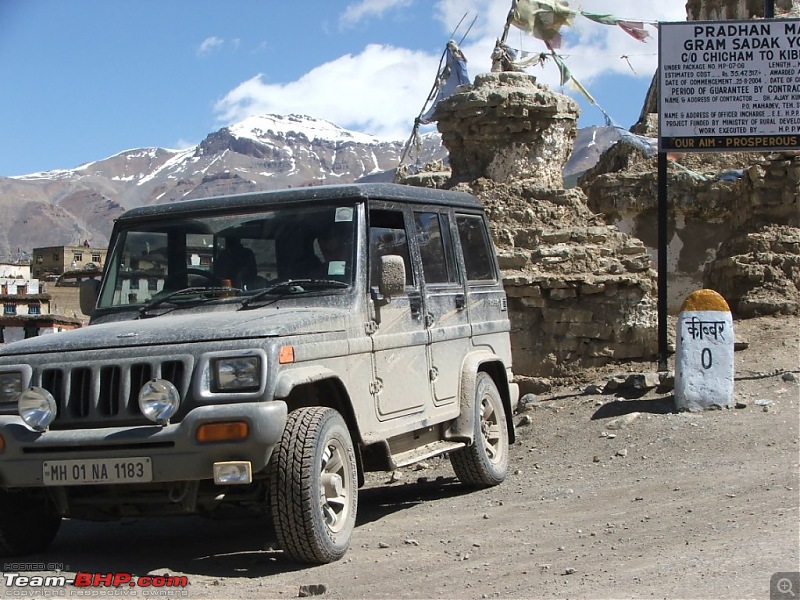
x=475 y=244
x=387 y=235
x=435 y=248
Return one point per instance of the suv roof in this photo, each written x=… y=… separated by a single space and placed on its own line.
x=383 y=191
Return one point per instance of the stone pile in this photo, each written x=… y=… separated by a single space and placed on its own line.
x=759 y=271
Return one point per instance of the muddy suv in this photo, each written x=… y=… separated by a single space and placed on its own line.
x=263 y=351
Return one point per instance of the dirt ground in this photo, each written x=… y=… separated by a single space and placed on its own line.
x=607 y=497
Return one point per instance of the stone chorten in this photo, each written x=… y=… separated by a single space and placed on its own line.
x=506 y=128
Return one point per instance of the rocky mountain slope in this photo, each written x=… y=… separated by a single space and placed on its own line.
x=69 y=206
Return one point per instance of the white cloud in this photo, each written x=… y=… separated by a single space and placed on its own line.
x=599 y=49
x=386 y=86
x=355 y=13
x=209 y=44
x=384 y=92
x=591 y=50
x=183 y=144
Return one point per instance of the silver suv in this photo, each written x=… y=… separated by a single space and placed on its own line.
x=263 y=351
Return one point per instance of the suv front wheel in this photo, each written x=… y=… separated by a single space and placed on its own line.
x=28 y=523
x=485 y=462
x=314 y=486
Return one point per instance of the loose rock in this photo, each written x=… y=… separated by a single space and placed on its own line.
x=315 y=589
x=623 y=421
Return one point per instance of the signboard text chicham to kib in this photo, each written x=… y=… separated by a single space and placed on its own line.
x=729 y=85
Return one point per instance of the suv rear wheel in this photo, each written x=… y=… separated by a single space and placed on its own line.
x=485 y=462
x=314 y=486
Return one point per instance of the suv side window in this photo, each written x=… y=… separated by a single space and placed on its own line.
x=435 y=247
x=387 y=235
x=475 y=244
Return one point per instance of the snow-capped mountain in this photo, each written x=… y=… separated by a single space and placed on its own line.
x=66 y=207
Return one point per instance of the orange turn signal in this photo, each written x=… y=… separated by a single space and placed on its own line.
x=230 y=431
x=2 y=444
x=286 y=355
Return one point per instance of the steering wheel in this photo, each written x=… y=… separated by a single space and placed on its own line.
x=207 y=275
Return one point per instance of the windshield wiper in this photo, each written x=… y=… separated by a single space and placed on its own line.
x=294 y=286
x=195 y=290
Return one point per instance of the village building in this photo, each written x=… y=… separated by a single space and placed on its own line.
x=51 y=262
x=27 y=310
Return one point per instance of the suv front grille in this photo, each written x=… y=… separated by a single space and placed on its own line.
x=106 y=395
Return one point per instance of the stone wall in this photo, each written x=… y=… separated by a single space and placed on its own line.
x=623 y=186
x=581 y=293
x=705 y=210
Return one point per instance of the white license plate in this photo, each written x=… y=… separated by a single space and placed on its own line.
x=93 y=471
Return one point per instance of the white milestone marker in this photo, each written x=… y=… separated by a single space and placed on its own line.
x=704 y=353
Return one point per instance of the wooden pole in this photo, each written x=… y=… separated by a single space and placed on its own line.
x=508 y=21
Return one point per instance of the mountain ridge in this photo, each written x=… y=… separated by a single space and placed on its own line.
x=262 y=152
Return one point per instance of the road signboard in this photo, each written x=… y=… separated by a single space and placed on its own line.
x=729 y=85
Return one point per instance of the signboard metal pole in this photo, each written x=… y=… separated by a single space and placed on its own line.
x=769 y=9
x=663 y=215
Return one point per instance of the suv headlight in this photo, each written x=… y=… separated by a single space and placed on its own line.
x=237 y=373
x=159 y=399
x=37 y=407
x=10 y=387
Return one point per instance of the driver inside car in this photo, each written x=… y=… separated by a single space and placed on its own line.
x=335 y=247
x=236 y=263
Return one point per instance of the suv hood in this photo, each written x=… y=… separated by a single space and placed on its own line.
x=186 y=328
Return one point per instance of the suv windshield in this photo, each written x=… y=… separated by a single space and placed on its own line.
x=249 y=253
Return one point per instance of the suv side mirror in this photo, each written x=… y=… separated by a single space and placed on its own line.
x=88 y=295
x=392 y=275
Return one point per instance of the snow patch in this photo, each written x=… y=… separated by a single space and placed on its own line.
x=260 y=127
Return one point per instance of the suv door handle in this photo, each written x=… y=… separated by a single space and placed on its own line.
x=415 y=303
x=461 y=301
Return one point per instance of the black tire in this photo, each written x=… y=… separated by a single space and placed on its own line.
x=485 y=462
x=28 y=523
x=314 y=486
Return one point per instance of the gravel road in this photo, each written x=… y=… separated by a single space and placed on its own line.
x=609 y=496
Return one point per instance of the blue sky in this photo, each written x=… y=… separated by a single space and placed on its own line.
x=81 y=81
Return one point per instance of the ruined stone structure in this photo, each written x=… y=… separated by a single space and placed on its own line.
x=578 y=267
x=733 y=217
x=581 y=293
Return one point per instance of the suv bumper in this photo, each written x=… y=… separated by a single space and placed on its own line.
x=175 y=453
